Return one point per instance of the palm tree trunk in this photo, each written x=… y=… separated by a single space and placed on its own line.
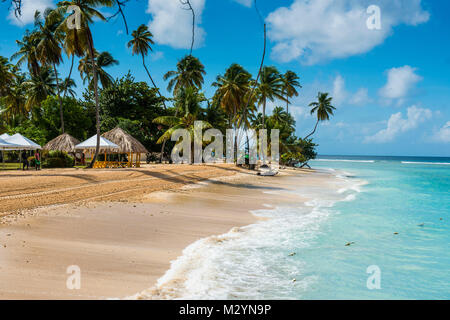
x=314 y=131
x=287 y=104
x=61 y=113
x=154 y=85
x=97 y=107
x=264 y=114
x=70 y=74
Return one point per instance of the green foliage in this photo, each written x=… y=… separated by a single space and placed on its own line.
x=78 y=120
x=292 y=158
x=28 y=129
x=132 y=106
x=58 y=159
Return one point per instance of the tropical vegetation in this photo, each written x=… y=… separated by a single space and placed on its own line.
x=37 y=100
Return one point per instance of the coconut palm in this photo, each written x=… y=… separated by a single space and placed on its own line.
x=189 y=73
x=141 y=45
x=15 y=101
x=49 y=48
x=67 y=86
x=27 y=52
x=323 y=108
x=231 y=90
x=79 y=41
x=6 y=76
x=290 y=83
x=39 y=87
x=270 y=88
x=102 y=60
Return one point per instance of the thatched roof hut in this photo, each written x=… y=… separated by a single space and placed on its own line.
x=64 y=142
x=126 y=143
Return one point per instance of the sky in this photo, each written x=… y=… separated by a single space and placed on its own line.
x=385 y=63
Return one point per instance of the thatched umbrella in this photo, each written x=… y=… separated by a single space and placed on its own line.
x=127 y=144
x=64 y=142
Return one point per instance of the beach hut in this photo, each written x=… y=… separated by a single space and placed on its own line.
x=64 y=142
x=127 y=144
x=106 y=147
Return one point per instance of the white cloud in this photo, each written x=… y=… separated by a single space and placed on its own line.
x=399 y=83
x=360 y=97
x=171 y=24
x=157 y=55
x=29 y=7
x=341 y=95
x=397 y=124
x=443 y=135
x=247 y=3
x=321 y=30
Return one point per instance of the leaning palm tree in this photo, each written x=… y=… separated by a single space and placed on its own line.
x=189 y=73
x=81 y=41
x=102 y=60
x=49 y=48
x=290 y=83
x=141 y=45
x=270 y=88
x=323 y=108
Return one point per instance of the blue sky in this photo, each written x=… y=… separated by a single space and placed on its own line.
x=390 y=85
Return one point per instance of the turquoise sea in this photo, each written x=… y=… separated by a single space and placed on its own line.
x=388 y=215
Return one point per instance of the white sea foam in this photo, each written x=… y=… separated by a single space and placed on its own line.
x=253 y=262
x=344 y=160
x=432 y=163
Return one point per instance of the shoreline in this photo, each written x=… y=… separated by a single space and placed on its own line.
x=123 y=247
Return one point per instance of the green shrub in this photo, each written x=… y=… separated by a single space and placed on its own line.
x=58 y=159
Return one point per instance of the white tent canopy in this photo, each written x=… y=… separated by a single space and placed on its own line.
x=5 y=145
x=4 y=136
x=91 y=143
x=22 y=143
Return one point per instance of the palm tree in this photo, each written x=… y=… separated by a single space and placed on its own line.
x=323 y=108
x=39 y=87
x=102 y=60
x=231 y=90
x=79 y=41
x=27 y=52
x=189 y=101
x=49 y=49
x=6 y=76
x=190 y=72
x=269 y=88
x=67 y=86
x=15 y=101
x=141 y=44
x=290 y=83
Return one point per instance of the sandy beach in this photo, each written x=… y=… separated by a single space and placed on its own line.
x=121 y=228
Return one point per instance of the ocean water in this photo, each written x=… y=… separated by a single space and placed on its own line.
x=394 y=213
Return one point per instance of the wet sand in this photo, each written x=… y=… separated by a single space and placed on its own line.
x=125 y=242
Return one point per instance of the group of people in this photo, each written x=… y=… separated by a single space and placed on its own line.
x=37 y=160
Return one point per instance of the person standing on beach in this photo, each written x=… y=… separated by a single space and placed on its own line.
x=37 y=158
x=24 y=160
